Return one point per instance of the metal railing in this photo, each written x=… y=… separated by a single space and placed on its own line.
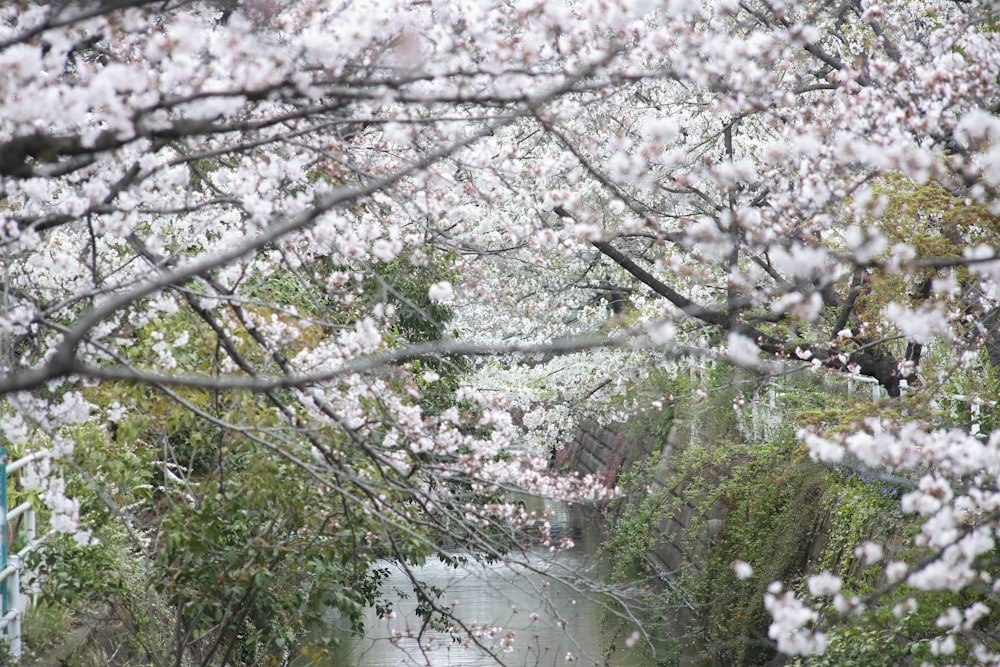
x=765 y=413
x=13 y=601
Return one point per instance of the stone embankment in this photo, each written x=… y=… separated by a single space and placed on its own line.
x=607 y=451
x=686 y=533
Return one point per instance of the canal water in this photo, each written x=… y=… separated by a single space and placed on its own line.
x=543 y=611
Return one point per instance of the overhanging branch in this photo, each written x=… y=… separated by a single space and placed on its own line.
x=373 y=363
x=673 y=296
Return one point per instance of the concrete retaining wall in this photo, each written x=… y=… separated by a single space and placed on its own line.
x=606 y=451
x=687 y=531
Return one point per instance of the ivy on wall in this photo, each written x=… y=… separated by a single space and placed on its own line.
x=785 y=515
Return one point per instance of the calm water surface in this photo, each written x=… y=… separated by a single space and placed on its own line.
x=540 y=613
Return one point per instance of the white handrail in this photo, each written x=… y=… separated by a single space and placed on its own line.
x=11 y=622
x=14 y=466
x=18 y=604
x=764 y=408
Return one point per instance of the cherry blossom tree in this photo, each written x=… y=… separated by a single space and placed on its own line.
x=262 y=214
x=218 y=246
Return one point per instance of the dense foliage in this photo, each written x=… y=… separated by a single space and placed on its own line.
x=728 y=508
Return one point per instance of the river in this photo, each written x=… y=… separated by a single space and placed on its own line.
x=539 y=613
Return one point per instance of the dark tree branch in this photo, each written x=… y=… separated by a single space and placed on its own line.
x=857 y=284
x=874 y=361
x=914 y=349
x=673 y=296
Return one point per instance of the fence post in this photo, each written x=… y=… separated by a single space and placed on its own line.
x=4 y=534
x=14 y=600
